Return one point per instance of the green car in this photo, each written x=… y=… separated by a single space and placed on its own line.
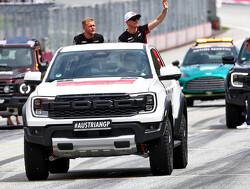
x=203 y=72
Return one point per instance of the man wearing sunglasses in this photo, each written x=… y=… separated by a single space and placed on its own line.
x=89 y=35
x=136 y=33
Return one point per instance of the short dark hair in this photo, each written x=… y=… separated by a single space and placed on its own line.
x=248 y=40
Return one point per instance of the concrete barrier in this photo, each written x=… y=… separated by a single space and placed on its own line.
x=177 y=38
x=247 y=2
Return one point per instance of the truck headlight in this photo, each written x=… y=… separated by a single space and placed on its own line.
x=147 y=100
x=237 y=79
x=39 y=106
x=24 y=89
x=6 y=89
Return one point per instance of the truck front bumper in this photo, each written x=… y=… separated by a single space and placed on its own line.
x=206 y=96
x=97 y=147
x=237 y=97
x=122 y=138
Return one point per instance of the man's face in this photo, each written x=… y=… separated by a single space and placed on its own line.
x=248 y=47
x=134 y=22
x=89 y=27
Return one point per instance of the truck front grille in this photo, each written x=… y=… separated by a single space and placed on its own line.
x=206 y=84
x=91 y=106
x=3 y=84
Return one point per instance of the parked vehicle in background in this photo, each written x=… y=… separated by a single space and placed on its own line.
x=202 y=70
x=108 y=99
x=17 y=56
x=237 y=85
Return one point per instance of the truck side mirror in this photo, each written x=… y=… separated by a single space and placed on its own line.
x=170 y=72
x=43 y=66
x=176 y=63
x=228 y=60
x=33 y=78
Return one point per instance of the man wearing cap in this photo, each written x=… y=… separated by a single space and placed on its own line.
x=89 y=35
x=136 y=33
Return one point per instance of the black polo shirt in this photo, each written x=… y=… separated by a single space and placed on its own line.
x=140 y=36
x=81 y=39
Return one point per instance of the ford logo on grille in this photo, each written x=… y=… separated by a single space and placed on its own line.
x=87 y=104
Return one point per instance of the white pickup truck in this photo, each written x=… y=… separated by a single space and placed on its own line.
x=100 y=100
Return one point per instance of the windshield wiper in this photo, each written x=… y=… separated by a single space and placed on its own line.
x=5 y=66
x=59 y=80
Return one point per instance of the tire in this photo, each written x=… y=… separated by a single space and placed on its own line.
x=161 y=152
x=36 y=165
x=59 y=166
x=181 y=152
x=234 y=115
x=190 y=102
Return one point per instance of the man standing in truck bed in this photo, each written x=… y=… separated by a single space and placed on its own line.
x=89 y=35
x=136 y=33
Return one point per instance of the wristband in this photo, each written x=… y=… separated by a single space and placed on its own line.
x=166 y=11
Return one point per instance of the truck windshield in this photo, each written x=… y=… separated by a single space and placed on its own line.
x=244 y=56
x=100 y=63
x=16 y=57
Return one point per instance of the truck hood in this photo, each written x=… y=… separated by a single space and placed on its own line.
x=14 y=73
x=244 y=65
x=94 y=86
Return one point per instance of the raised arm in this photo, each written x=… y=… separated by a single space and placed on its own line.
x=161 y=17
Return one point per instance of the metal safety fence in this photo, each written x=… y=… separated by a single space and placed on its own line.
x=57 y=26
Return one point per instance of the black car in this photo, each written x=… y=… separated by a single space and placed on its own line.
x=237 y=86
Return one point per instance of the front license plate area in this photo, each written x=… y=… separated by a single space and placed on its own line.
x=92 y=125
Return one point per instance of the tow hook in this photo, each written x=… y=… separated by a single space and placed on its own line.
x=52 y=157
x=145 y=154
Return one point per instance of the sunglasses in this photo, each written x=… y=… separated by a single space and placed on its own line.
x=134 y=19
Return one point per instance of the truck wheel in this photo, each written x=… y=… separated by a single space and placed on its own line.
x=36 y=165
x=161 y=152
x=181 y=152
x=190 y=102
x=234 y=115
x=59 y=166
